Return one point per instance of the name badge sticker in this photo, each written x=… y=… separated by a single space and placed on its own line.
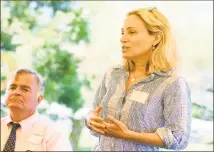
x=139 y=96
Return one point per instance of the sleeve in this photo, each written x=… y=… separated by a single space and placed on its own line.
x=59 y=142
x=100 y=92
x=177 y=115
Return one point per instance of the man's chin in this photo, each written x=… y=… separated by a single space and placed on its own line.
x=15 y=106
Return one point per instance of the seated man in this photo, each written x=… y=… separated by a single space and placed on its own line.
x=24 y=129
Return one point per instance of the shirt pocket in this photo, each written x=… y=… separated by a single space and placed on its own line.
x=35 y=142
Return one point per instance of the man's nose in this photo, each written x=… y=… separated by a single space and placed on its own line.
x=17 y=91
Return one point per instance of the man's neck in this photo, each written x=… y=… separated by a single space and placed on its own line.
x=18 y=116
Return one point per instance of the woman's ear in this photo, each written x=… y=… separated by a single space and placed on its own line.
x=158 y=37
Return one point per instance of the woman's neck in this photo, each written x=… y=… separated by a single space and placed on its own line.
x=140 y=68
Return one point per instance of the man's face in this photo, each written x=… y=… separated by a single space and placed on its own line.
x=21 y=93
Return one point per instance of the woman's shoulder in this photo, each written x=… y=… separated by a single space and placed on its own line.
x=171 y=75
x=177 y=81
x=115 y=68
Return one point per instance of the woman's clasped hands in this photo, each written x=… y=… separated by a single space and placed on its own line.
x=112 y=127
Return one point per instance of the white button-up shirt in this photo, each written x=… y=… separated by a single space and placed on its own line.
x=37 y=133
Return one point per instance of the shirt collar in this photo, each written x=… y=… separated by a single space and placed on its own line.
x=164 y=73
x=160 y=73
x=26 y=123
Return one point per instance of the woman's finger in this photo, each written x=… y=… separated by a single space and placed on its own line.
x=97 y=130
x=98 y=109
x=115 y=121
x=97 y=119
x=97 y=124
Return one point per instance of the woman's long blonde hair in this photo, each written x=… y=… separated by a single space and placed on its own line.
x=164 y=55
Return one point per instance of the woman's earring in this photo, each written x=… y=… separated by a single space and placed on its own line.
x=153 y=47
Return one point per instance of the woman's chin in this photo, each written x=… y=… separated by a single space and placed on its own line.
x=125 y=56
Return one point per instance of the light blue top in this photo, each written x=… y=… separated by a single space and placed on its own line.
x=161 y=104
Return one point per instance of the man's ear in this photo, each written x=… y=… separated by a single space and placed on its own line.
x=158 y=37
x=40 y=97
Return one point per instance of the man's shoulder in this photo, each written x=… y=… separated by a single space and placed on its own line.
x=48 y=129
x=46 y=124
x=4 y=119
x=44 y=121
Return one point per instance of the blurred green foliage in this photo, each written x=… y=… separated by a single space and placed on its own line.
x=6 y=40
x=59 y=68
x=201 y=112
x=210 y=89
x=2 y=79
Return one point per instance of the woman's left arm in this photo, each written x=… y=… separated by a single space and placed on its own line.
x=177 y=114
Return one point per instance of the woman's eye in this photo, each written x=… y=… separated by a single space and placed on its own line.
x=132 y=32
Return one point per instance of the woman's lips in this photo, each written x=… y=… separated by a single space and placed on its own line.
x=124 y=48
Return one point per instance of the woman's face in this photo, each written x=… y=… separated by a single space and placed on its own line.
x=135 y=39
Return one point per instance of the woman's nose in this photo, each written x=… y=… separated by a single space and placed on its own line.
x=123 y=38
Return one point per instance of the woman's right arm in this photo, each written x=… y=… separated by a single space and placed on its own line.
x=93 y=121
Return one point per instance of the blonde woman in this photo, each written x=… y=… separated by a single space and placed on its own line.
x=143 y=105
